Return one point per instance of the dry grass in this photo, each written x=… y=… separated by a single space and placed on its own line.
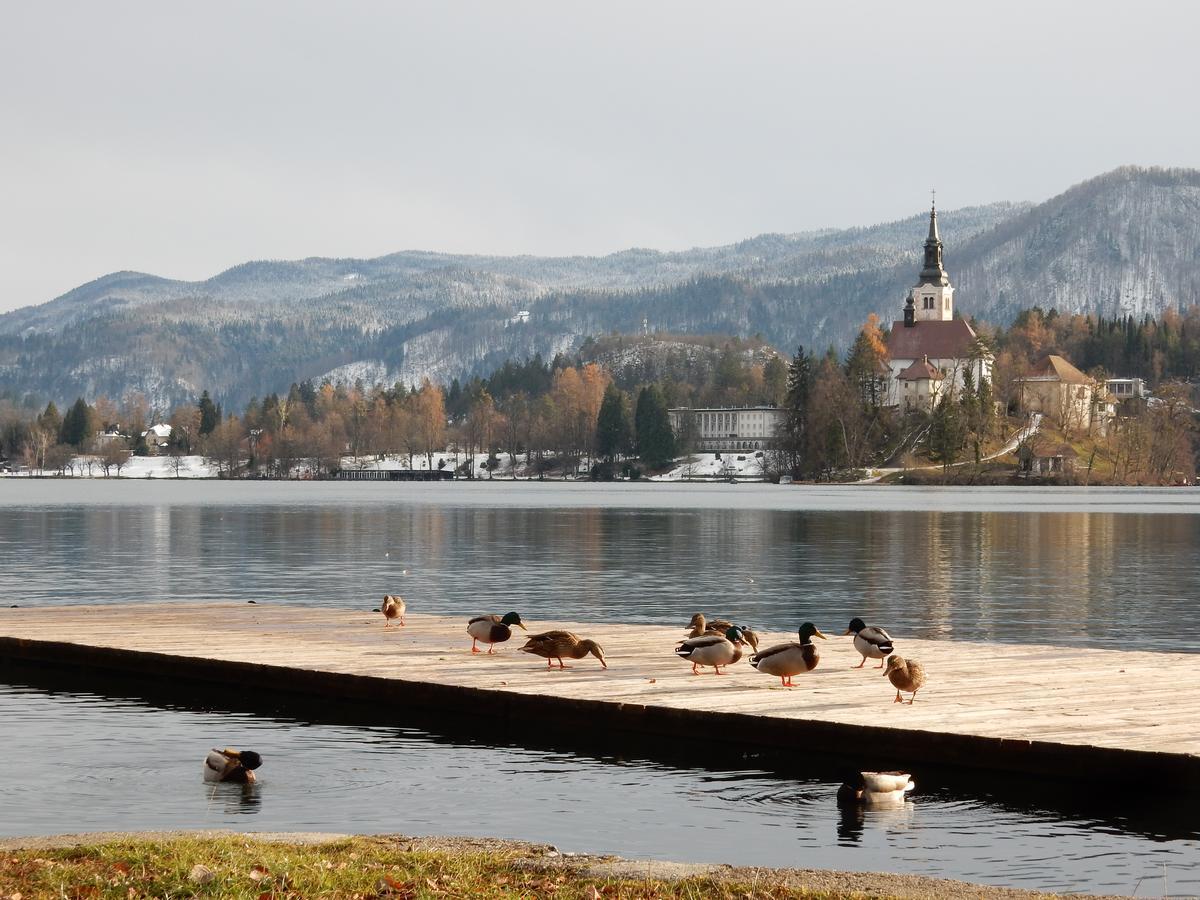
x=240 y=867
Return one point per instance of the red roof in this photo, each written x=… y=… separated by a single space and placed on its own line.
x=921 y=368
x=951 y=339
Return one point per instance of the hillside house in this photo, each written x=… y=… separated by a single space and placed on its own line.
x=158 y=437
x=1038 y=457
x=930 y=334
x=1060 y=392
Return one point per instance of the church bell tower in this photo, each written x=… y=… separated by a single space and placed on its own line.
x=932 y=298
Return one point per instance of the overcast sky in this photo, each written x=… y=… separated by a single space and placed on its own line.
x=183 y=139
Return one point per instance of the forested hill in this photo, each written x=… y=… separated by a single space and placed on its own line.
x=1126 y=242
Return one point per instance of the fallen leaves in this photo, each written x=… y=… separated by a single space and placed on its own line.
x=201 y=874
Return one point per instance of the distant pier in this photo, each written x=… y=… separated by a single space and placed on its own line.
x=1028 y=709
x=394 y=475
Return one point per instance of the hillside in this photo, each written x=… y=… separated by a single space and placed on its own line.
x=1128 y=241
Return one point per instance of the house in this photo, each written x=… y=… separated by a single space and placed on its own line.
x=1060 y=392
x=920 y=385
x=930 y=333
x=157 y=437
x=1038 y=456
x=103 y=438
x=728 y=428
x=1126 y=388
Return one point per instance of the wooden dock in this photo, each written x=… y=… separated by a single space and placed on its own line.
x=1002 y=707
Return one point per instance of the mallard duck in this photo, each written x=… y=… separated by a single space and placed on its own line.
x=905 y=675
x=393 y=608
x=699 y=625
x=492 y=629
x=871 y=641
x=557 y=644
x=876 y=789
x=714 y=650
x=786 y=660
x=231 y=765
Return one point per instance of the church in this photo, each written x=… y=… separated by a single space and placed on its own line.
x=930 y=350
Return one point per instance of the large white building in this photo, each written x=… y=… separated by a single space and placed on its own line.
x=729 y=428
x=930 y=338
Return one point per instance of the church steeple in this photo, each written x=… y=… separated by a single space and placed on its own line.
x=932 y=272
x=932 y=299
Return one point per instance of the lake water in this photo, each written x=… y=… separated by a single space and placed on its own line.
x=1063 y=566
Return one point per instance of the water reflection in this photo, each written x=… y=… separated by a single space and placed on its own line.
x=319 y=775
x=1058 y=577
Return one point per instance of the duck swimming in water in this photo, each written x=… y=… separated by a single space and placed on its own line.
x=231 y=765
x=876 y=789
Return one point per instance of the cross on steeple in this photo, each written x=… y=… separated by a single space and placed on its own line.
x=933 y=198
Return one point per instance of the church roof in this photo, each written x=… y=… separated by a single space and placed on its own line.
x=936 y=339
x=920 y=369
x=1056 y=367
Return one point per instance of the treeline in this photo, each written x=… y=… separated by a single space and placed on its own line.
x=556 y=415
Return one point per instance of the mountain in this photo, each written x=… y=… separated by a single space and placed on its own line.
x=1126 y=242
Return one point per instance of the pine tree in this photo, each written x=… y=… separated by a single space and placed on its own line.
x=77 y=424
x=947 y=431
x=210 y=414
x=652 y=422
x=793 y=441
x=612 y=424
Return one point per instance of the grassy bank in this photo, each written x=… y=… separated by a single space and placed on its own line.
x=265 y=867
x=238 y=867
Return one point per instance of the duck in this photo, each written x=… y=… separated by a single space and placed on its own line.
x=699 y=625
x=905 y=675
x=557 y=644
x=714 y=650
x=492 y=630
x=871 y=641
x=876 y=789
x=786 y=660
x=393 y=608
x=231 y=765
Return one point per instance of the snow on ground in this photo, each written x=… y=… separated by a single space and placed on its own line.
x=715 y=465
x=143 y=467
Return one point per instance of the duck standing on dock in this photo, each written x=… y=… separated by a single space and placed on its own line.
x=556 y=644
x=905 y=675
x=714 y=650
x=699 y=625
x=231 y=765
x=871 y=641
x=786 y=660
x=879 y=789
x=492 y=630
x=393 y=608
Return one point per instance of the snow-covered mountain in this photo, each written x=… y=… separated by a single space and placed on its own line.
x=1127 y=241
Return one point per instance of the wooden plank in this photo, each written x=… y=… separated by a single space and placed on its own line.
x=1133 y=701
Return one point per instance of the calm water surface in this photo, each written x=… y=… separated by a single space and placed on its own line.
x=1062 y=566
x=1103 y=568
x=96 y=762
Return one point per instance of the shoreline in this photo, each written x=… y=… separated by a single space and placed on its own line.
x=581 y=872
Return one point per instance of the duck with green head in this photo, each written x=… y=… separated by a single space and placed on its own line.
x=714 y=650
x=786 y=660
x=492 y=630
